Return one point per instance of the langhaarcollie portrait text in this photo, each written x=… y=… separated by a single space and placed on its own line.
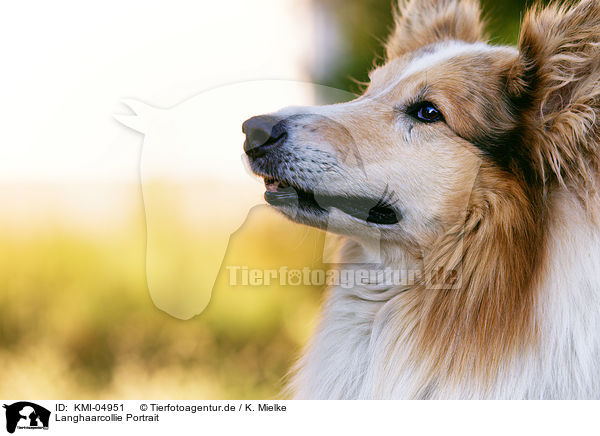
x=465 y=159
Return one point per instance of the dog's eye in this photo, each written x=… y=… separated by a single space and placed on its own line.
x=426 y=112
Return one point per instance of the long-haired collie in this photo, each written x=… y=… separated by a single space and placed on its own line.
x=474 y=163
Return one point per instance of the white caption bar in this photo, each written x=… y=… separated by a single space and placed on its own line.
x=150 y=417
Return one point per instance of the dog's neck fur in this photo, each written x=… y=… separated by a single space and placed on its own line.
x=371 y=342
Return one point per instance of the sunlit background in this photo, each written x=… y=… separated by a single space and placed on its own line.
x=77 y=319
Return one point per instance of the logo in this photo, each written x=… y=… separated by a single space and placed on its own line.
x=26 y=415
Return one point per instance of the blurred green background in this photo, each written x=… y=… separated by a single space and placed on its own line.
x=76 y=318
x=365 y=24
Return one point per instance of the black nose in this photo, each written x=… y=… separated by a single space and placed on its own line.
x=263 y=133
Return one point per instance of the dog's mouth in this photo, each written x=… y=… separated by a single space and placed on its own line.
x=283 y=193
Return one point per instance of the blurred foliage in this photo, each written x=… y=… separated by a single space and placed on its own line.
x=77 y=321
x=365 y=25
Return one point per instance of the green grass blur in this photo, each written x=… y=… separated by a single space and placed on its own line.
x=77 y=320
x=365 y=24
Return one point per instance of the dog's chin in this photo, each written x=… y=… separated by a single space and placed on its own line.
x=307 y=207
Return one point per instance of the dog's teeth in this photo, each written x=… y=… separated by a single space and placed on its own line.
x=271 y=184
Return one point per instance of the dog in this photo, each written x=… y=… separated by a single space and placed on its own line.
x=461 y=157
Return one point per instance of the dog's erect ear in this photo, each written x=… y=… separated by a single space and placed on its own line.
x=422 y=22
x=558 y=78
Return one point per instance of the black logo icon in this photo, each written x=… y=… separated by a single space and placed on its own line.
x=26 y=415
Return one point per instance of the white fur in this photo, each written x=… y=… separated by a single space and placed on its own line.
x=362 y=342
x=442 y=52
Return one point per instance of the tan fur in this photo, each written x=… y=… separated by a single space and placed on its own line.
x=483 y=195
x=498 y=250
x=470 y=331
x=560 y=69
x=422 y=23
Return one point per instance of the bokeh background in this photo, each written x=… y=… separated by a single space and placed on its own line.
x=76 y=317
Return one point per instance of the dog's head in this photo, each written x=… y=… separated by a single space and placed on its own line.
x=448 y=128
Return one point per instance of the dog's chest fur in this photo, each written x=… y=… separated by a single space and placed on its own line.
x=364 y=346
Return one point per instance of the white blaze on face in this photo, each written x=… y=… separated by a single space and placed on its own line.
x=442 y=52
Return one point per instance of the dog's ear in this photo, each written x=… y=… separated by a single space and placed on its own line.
x=557 y=82
x=422 y=22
